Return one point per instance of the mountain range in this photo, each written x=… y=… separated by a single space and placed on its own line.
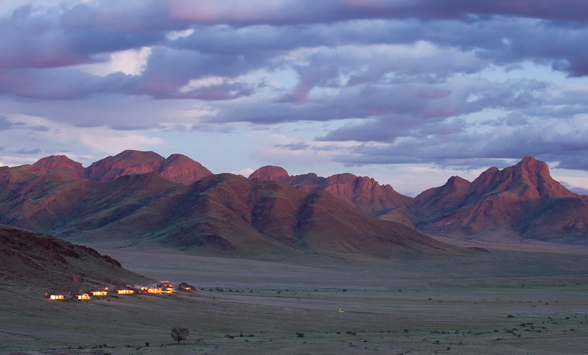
x=142 y=198
x=521 y=202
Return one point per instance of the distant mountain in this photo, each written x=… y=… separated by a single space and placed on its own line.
x=61 y=166
x=522 y=200
x=220 y=214
x=141 y=197
x=362 y=192
x=41 y=260
x=177 y=167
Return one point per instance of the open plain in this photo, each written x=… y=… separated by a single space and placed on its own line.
x=501 y=302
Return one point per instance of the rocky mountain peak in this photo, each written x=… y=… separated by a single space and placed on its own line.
x=528 y=179
x=270 y=172
x=125 y=163
x=458 y=182
x=61 y=166
x=181 y=169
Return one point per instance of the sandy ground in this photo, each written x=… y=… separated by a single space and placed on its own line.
x=504 y=302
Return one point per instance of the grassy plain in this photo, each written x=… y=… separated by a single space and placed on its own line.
x=503 y=302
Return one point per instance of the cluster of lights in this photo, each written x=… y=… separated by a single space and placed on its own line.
x=161 y=287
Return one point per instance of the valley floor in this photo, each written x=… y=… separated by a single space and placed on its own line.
x=503 y=302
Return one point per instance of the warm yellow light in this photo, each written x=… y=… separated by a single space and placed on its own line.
x=57 y=297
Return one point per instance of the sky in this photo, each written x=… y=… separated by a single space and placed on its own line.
x=409 y=92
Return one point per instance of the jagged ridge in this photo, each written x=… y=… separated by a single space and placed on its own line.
x=517 y=200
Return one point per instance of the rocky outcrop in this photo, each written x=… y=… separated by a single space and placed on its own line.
x=270 y=172
x=439 y=201
x=361 y=192
x=528 y=179
x=61 y=166
x=126 y=163
x=507 y=201
x=177 y=168
x=183 y=170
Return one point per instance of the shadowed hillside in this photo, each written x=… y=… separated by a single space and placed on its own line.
x=41 y=260
x=220 y=214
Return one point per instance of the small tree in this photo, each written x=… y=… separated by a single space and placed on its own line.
x=179 y=334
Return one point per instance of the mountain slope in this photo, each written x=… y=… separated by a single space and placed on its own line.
x=44 y=261
x=177 y=168
x=362 y=192
x=61 y=166
x=224 y=214
x=140 y=197
x=522 y=200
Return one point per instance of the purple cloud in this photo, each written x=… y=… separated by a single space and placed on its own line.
x=5 y=124
x=40 y=128
x=419 y=78
x=28 y=151
x=546 y=139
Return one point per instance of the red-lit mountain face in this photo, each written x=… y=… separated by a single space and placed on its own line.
x=178 y=168
x=522 y=201
x=226 y=214
x=141 y=196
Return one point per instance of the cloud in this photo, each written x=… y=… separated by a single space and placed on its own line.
x=29 y=151
x=578 y=190
x=78 y=35
x=114 y=142
x=97 y=140
x=306 y=11
x=5 y=123
x=130 y=62
x=6 y=160
x=550 y=140
x=244 y=172
x=446 y=83
x=40 y=128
